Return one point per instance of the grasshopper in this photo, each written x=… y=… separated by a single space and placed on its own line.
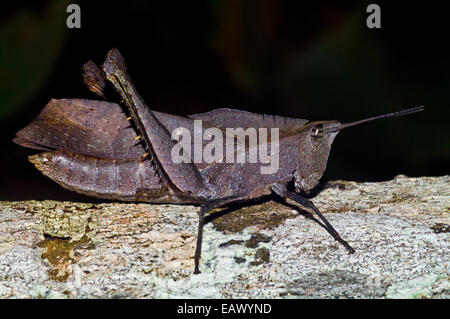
x=106 y=150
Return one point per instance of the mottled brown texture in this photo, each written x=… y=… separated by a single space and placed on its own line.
x=83 y=159
x=94 y=79
x=122 y=179
x=183 y=177
x=87 y=127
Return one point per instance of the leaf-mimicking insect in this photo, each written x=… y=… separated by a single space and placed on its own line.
x=105 y=150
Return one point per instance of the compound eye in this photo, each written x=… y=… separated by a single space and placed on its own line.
x=317 y=133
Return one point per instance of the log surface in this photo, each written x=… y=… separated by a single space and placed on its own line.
x=399 y=229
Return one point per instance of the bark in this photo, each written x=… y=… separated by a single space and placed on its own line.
x=398 y=228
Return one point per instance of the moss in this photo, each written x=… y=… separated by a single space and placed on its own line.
x=64 y=225
x=59 y=253
x=264 y=216
x=262 y=256
x=231 y=242
x=67 y=220
x=257 y=238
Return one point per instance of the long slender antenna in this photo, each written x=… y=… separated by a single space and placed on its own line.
x=395 y=114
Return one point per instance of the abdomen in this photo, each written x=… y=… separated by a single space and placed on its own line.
x=121 y=179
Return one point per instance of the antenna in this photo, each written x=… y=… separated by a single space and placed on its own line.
x=395 y=114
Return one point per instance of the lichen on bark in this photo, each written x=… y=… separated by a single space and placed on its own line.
x=399 y=229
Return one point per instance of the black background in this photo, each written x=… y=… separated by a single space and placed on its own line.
x=316 y=61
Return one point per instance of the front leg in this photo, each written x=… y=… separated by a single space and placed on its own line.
x=281 y=190
x=183 y=177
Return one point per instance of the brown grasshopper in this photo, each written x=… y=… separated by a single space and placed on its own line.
x=89 y=149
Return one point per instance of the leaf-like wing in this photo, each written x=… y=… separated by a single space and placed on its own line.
x=88 y=127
